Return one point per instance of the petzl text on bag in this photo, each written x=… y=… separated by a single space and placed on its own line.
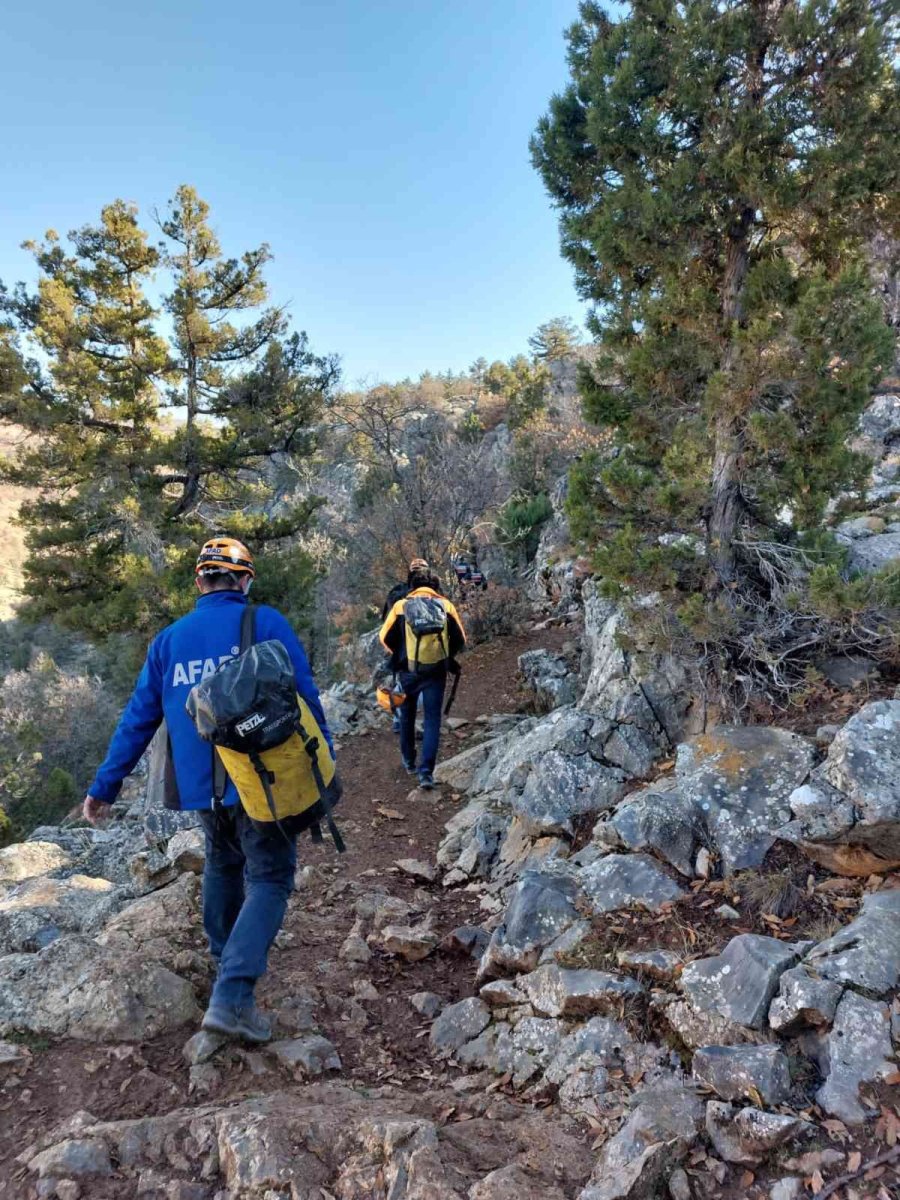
x=267 y=739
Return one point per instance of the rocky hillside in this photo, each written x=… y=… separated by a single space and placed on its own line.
x=621 y=955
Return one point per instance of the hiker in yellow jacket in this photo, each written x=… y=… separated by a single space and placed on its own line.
x=422 y=633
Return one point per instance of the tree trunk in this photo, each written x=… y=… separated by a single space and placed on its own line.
x=728 y=438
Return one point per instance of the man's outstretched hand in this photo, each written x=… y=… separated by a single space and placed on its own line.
x=95 y=811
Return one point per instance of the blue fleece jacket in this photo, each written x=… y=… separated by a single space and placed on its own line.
x=179 y=657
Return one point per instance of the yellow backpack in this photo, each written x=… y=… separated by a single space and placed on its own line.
x=266 y=738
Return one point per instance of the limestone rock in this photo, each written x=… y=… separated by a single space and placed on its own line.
x=12 y=1053
x=79 y=1157
x=513 y=1183
x=872 y=553
x=787 y=1188
x=848 y=817
x=662 y=820
x=429 y=1004
x=459 y=1023
x=202 y=1047
x=500 y=993
x=541 y=908
x=740 y=982
x=661 y=965
x=79 y=989
x=27 y=860
x=654 y=1139
x=561 y=787
x=468 y=940
x=548 y=679
x=186 y=851
x=159 y=925
x=627 y=881
x=747 y=1135
x=732 y=789
x=412 y=943
x=559 y=992
x=523 y=1051
x=867 y=951
x=858 y=1049
x=758 y=1073
x=697 y=1028
x=311 y=1055
x=36 y=911
x=804 y=998
x=415 y=869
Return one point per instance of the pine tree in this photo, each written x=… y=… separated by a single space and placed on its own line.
x=718 y=167
x=554 y=339
x=147 y=434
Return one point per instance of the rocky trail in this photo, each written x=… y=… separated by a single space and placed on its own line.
x=610 y=959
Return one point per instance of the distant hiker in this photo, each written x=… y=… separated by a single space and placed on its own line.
x=249 y=869
x=423 y=634
x=399 y=592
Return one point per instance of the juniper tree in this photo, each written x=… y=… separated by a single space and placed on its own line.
x=149 y=433
x=718 y=167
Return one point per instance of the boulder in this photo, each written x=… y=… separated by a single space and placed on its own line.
x=651 y=692
x=656 y=1137
x=458 y=1024
x=27 y=860
x=36 y=911
x=78 y=1157
x=758 y=1073
x=748 y=1135
x=660 y=965
x=77 y=988
x=740 y=982
x=416 y=869
x=730 y=793
x=848 y=817
x=559 y=992
x=541 y=908
x=662 y=820
x=158 y=926
x=548 y=679
x=523 y=1051
x=308 y=1056
x=627 y=881
x=186 y=851
x=857 y=1050
x=512 y=1182
x=412 y=943
x=865 y=953
x=560 y=788
x=870 y=554
x=804 y=999
x=427 y=1004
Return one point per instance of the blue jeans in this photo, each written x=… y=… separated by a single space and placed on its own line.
x=431 y=689
x=247 y=878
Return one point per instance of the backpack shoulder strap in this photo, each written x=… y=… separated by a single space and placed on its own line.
x=248 y=637
x=248 y=627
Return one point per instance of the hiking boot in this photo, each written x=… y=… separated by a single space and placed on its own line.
x=247 y=1022
x=409 y=768
x=426 y=781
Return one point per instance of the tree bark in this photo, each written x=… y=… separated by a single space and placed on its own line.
x=727 y=504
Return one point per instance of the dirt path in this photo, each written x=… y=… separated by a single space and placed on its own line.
x=364 y=1009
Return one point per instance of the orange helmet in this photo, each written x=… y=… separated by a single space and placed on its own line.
x=225 y=554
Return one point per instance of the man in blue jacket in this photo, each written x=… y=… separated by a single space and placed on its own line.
x=249 y=871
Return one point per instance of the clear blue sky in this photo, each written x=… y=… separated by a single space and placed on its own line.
x=381 y=148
